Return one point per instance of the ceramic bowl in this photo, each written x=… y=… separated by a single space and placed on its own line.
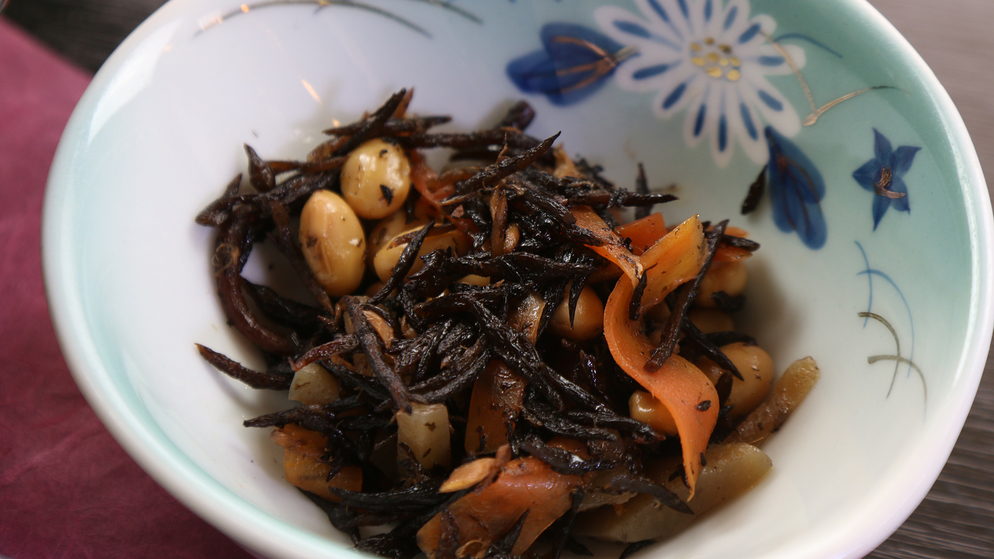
x=875 y=224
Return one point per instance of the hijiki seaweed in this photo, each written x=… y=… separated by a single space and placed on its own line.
x=466 y=336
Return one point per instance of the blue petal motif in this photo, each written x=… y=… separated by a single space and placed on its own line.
x=796 y=190
x=887 y=169
x=574 y=63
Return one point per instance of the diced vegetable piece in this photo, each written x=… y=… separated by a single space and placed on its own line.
x=313 y=384
x=524 y=485
x=732 y=469
x=304 y=468
x=678 y=384
x=493 y=408
x=788 y=393
x=426 y=432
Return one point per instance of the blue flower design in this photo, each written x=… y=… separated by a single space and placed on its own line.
x=796 y=190
x=712 y=59
x=884 y=176
x=573 y=63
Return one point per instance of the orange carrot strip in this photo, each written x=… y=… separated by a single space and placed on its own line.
x=612 y=249
x=678 y=384
x=525 y=484
x=303 y=467
x=730 y=254
x=643 y=232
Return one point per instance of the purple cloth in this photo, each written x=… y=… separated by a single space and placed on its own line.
x=67 y=489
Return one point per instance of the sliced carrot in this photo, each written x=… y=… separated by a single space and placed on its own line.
x=524 y=485
x=493 y=408
x=643 y=232
x=303 y=467
x=612 y=248
x=678 y=384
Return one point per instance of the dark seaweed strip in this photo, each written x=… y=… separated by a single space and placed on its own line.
x=494 y=173
x=340 y=516
x=372 y=126
x=404 y=264
x=466 y=368
x=678 y=313
x=400 y=543
x=255 y=379
x=439 y=270
x=553 y=295
x=369 y=341
x=519 y=116
x=288 y=245
x=483 y=138
x=634 y=548
x=261 y=177
x=355 y=380
x=502 y=546
x=724 y=338
x=234 y=243
x=218 y=211
x=642 y=187
x=628 y=482
x=295 y=191
x=286 y=312
x=563 y=461
x=420 y=349
x=635 y=306
x=543 y=200
x=365 y=424
x=517 y=352
x=393 y=126
x=619 y=198
x=566 y=522
x=547 y=417
x=709 y=349
x=414 y=498
x=307 y=167
x=755 y=194
x=739 y=242
x=642 y=432
x=728 y=303
x=320 y=418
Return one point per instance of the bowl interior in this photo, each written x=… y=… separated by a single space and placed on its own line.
x=893 y=303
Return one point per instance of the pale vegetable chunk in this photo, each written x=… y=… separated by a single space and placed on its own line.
x=333 y=243
x=313 y=384
x=792 y=388
x=731 y=470
x=426 y=432
x=376 y=179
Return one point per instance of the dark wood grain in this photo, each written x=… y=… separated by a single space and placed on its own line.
x=956 y=519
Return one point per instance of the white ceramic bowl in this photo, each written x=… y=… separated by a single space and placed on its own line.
x=160 y=131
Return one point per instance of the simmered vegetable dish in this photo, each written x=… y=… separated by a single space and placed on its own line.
x=495 y=363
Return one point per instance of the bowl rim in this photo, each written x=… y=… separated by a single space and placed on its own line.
x=262 y=533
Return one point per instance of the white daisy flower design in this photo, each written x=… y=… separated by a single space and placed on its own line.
x=712 y=60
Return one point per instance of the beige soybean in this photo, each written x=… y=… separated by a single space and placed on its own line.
x=646 y=408
x=588 y=320
x=333 y=242
x=386 y=258
x=710 y=321
x=395 y=224
x=376 y=179
x=756 y=368
x=729 y=277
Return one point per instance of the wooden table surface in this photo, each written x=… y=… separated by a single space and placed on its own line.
x=956 y=519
